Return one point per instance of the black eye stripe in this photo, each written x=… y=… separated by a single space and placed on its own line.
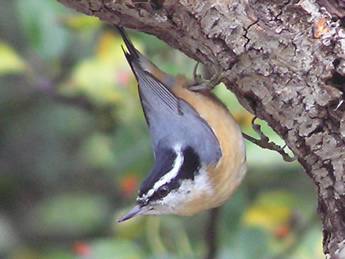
x=160 y=193
x=190 y=167
x=191 y=164
x=164 y=163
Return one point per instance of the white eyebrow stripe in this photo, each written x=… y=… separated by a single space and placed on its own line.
x=169 y=175
x=172 y=173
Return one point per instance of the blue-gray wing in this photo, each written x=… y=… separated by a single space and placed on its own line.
x=172 y=121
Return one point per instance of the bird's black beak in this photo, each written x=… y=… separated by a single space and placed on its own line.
x=136 y=210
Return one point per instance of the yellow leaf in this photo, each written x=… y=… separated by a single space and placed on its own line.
x=10 y=61
x=269 y=211
x=105 y=78
x=100 y=77
x=81 y=22
x=106 y=44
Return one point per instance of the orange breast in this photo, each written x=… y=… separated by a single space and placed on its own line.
x=228 y=173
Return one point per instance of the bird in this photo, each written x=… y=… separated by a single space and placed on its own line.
x=199 y=150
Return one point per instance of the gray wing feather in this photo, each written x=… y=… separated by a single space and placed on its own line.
x=154 y=95
x=172 y=121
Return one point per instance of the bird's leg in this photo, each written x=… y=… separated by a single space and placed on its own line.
x=203 y=84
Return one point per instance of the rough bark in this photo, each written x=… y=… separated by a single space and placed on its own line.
x=285 y=63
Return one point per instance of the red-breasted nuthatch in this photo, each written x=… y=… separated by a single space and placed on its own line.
x=198 y=146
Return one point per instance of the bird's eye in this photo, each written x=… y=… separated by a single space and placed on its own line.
x=163 y=191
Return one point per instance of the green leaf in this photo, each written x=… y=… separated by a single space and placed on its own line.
x=40 y=22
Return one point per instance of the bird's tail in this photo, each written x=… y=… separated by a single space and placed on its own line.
x=133 y=52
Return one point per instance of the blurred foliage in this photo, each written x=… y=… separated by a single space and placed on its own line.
x=75 y=147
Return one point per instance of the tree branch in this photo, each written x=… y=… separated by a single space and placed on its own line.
x=285 y=63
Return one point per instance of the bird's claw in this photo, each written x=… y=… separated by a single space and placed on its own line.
x=203 y=84
x=264 y=142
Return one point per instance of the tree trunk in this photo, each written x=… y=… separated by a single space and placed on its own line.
x=285 y=61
